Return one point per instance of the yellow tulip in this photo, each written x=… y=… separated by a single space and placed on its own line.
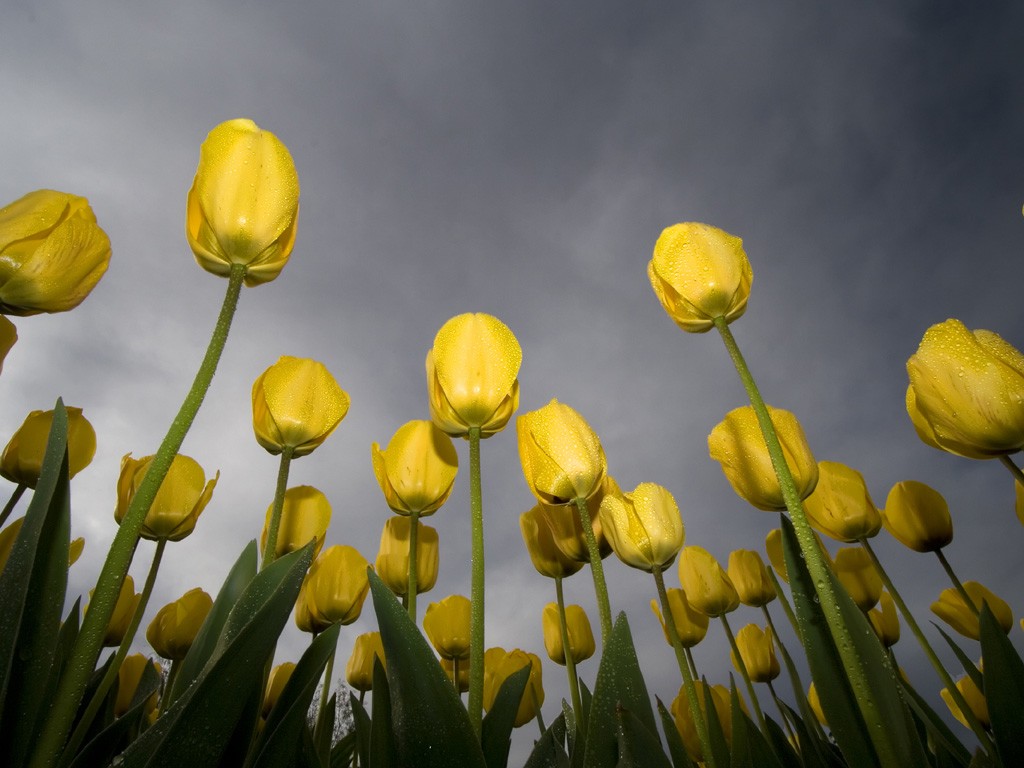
x=738 y=445
x=52 y=253
x=333 y=590
x=183 y=495
x=446 y=625
x=918 y=517
x=278 y=679
x=546 y=556
x=127 y=602
x=296 y=404
x=393 y=556
x=840 y=505
x=950 y=607
x=748 y=574
x=8 y=337
x=22 y=459
x=417 y=470
x=244 y=202
x=499 y=665
x=305 y=516
x=773 y=546
x=561 y=455
x=7 y=538
x=683 y=715
x=884 y=620
x=581 y=636
x=708 y=588
x=176 y=625
x=757 y=652
x=966 y=392
x=815 y=703
x=975 y=700
x=471 y=375
x=568 y=530
x=691 y=624
x=359 y=670
x=74 y=551
x=700 y=273
x=448 y=665
x=129 y=675
x=855 y=571
x=644 y=527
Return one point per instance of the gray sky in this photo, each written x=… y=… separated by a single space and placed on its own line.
x=521 y=160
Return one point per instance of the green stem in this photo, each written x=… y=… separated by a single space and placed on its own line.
x=596 y=569
x=570 y=662
x=270 y=550
x=476 y=617
x=325 y=691
x=1016 y=471
x=12 y=503
x=410 y=592
x=782 y=714
x=692 y=663
x=741 y=665
x=172 y=674
x=956 y=582
x=536 y=703
x=90 y=638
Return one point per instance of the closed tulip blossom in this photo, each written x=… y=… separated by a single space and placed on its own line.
x=840 y=506
x=975 y=700
x=567 y=528
x=581 y=636
x=758 y=653
x=446 y=625
x=644 y=527
x=951 y=608
x=738 y=445
x=129 y=675
x=682 y=715
x=544 y=552
x=183 y=495
x=127 y=601
x=305 y=516
x=918 y=517
x=22 y=459
x=815 y=703
x=416 y=472
x=858 y=575
x=333 y=591
x=175 y=626
x=773 y=546
x=296 y=405
x=884 y=621
x=561 y=455
x=749 y=576
x=276 y=681
x=691 y=624
x=708 y=587
x=52 y=253
x=392 y=563
x=499 y=665
x=244 y=202
x=359 y=670
x=700 y=273
x=966 y=392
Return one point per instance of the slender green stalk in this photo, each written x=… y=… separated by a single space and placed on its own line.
x=742 y=667
x=604 y=608
x=692 y=663
x=956 y=582
x=410 y=592
x=270 y=550
x=476 y=614
x=1016 y=471
x=536 y=703
x=172 y=674
x=570 y=662
x=325 y=691
x=12 y=503
x=782 y=714
x=87 y=648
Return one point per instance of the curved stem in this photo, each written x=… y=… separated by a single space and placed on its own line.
x=410 y=592
x=1016 y=471
x=956 y=583
x=90 y=638
x=12 y=503
x=596 y=569
x=741 y=665
x=476 y=617
x=570 y=662
x=270 y=550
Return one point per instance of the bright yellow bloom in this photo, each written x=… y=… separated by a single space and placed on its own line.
x=691 y=624
x=738 y=445
x=278 y=679
x=176 y=625
x=581 y=636
x=8 y=336
x=471 y=375
x=757 y=652
x=74 y=551
x=708 y=588
x=748 y=574
x=546 y=556
x=333 y=590
x=393 y=556
x=183 y=495
x=966 y=392
x=52 y=253
x=683 y=716
x=855 y=571
x=359 y=670
x=884 y=620
x=499 y=666
x=305 y=516
x=446 y=625
x=975 y=700
x=296 y=404
x=644 y=527
x=129 y=675
x=918 y=517
x=568 y=530
x=841 y=506
x=773 y=546
x=815 y=703
x=950 y=607
x=700 y=273
x=561 y=455
x=22 y=459
x=244 y=202
x=417 y=470
x=127 y=602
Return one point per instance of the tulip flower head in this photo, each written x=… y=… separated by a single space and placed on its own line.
x=975 y=700
x=417 y=470
x=691 y=624
x=392 y=563
x=333 y=591
x=52 y=253
x=840 y=505
x=359 y=670
x=773 y=546
x=472 y=373
x=748 y=574
x=278 y=679
x=581 y=636
x=75 y=549
x=683 y=715
x=22 y=459
x=700 y=273
x=858 y=575
x=567 y=528
x=951 y=608
x=175 y=626
x=546 y=556
x=499 y=665
x=884 y=621
x=129 y=675
x=918 y=517
x=305 y=516
x=758 y=653
x=644 y=527
x=244 y=202
x=561 y=455
x=708 y=587
x=446 y=625
x=127 y=601
x=183 y=495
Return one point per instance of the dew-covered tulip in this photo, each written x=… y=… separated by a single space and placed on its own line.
x=334 y=589
x=392 y=564
x=966 y=392
x=244 y=202
x=359 y=670
x=561 y=455
x=950 y=607
x=183 y=495
x=305 y=516
x=296 y=404
x=707 y=586
x=884 y=620
x=918 y=516
x=749 y=576
x=581 y=636
x=683 y=715
x=700 y=273
x=738 y=445
x=22 y=459
x=691 y=624
x=975 y=700
x=758 y=653
x=472 y=373
x=176 y=625
x=546 y=556
x=129 y=675
x=858 y=575
x=417 y=470
x=644 y=527
x=446 y=625
x=567 y=528
x=8 y=337
x=277 y=680
x=841 y=506
x=52 y=253
x=127 y=602
x=499 y=665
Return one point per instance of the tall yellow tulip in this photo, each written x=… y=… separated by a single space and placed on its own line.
x=884 y=620
x=183 y=495
x=644 y=527
x=499 y=665
x=416 y=472
x=129 y=675
x=446 y=625
x=858 y=575
x=546 y=556
x=567 y=528
x=334 y=589
x=840 y=505
x=975 y=700
x=708 y=588
x=683 y=715
x=918 y=516
x=359 y=670
x=22 y=459
x=392 y=563
x=175 y=626
x=757 y=652
x=127 y=601
x=561 y=455
x=951 y=608
x=305 y=516
x=748 y=574
x=691 y=624
x=581 y=636
x=278 y=679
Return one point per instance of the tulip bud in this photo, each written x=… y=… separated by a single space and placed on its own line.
x=840 y=505
x=244 y=202
x=305 y=516
x=129 y=675
x=127 y=602
x=175 y=626
x=884 y=621
x=8 y=337
x=446 y=625
x=183 y=495
x=700 y=273
x=683 y=715
x=750 y=577
x=499 y=666
x=22 y=459
x=567 y=528
x=296 y=404
x=544 y=553
x=691 y=624
x=966 y=392
x=757 y=652
x=856 y=572
x=644 y=527
x=52 y=253
x=918 y=517
x=471 y=375
x=359 y=670
x=815 y=703
x=950 y=607
x=393 y=557
x=278 y=679
x=417 y=470
x=708 y=588
x=561 y=455
x=581 y=636
x=975 y=700
x=738 y=445
x=773 y=546
x=74 y=551
x=333 y=590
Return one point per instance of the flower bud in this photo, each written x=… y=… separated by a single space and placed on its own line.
x=446 y=625
x=127 y=602
x=333 y=590
x=538 y=536
x=683 y=715
x=691 y=625
x=707 y=586
x=750 y=577
x=278 y=679
x=129 y=675
x=359 y=670
x=74 y=551
x=757 y=652
x=567 y=528
x=975 y=700
x=393 y=556
x=175 y=626
x=884 y=621
x=561 y=455
x=417 y=470
x=950 y=607
x=773 y=546
x=581 y=636
x=499 y=666
x=305 y=516
x=840 y=505
x=918 y=517
x=183 y=495
x=856 y=572
x=22 y=459
x=644 y=527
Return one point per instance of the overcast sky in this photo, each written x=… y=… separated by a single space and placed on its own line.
x=521 y=160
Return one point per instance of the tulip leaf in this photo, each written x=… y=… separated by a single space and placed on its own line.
x=548 y=752
x=344 y=750
x=501 y=719
x=380 y=748
x=965 y=661
x=424 y=736
x=361 y=727
x=676 y=749
x=780 y=744
x=938 y=731
x=1004 y=688
x=638 y=747
x=716 y=733
x=816 y=750
x=32 y=589
x=750 y=748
